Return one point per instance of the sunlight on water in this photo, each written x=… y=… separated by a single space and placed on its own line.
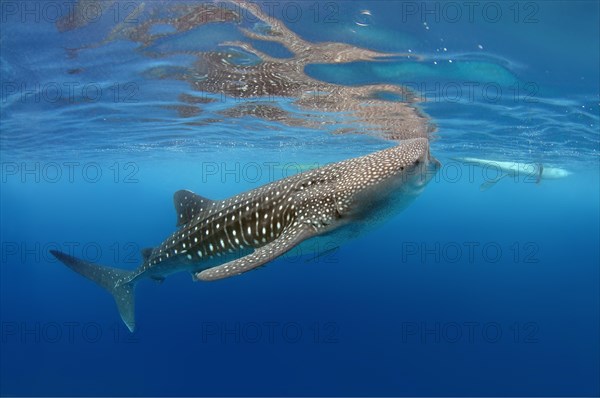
x=180 y=79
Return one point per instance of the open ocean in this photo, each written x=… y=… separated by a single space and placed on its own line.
x=108 y=108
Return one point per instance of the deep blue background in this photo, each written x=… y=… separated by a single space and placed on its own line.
x=373 y=318
x=370 y=303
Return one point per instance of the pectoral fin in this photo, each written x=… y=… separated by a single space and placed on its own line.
x=288 y=239
x=488 y=184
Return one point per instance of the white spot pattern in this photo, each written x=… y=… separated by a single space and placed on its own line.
x=268 y=214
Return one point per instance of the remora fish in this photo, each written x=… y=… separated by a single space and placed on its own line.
x=339 y=199
x=528 y=171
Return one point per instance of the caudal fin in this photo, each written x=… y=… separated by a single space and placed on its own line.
x=116 y=281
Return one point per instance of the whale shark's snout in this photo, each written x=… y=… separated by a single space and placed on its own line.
x=433 y=166
x=422 y=173
x=397 y=174
x=424 y=167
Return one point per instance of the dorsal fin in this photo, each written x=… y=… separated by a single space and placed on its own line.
x=146 y=253
x=189 y=205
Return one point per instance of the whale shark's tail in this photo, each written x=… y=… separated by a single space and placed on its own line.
x=117 y=281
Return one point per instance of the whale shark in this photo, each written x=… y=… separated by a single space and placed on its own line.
x=218 y=239
x=531 y=172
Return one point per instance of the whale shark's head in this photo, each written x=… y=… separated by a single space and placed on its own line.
x=394 y=176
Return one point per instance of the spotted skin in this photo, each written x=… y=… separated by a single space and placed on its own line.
x=222 y=238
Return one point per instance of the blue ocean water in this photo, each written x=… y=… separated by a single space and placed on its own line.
x=466 y=292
